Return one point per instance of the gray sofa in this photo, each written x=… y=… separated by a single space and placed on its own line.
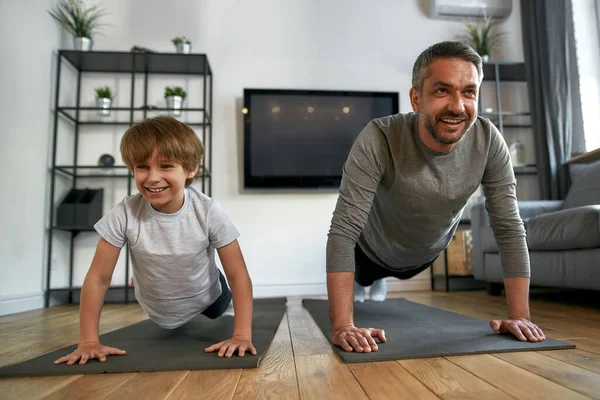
x=563 y=237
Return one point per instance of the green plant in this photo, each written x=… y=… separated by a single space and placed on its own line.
x=175 y=91
x=180 y=39
x=482 y=36
x=76 y=19
x=104 y=92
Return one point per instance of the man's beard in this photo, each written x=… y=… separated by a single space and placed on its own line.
x=437 y=136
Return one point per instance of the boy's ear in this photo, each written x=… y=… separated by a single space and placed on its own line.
x=193 y=172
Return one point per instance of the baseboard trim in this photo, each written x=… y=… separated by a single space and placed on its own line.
x=21 y=302
x=34 y=301
x=305 y=289
x=320 y=289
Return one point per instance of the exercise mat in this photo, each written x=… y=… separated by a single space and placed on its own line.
x=415 y=330
x=152 y=348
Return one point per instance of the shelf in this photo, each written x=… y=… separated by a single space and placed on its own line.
x=530 y=169
x=74 y=228
x=515 y=126
x=507 y=71
x=505 y=114
x=95 y=171
x=125 y=117
x=83 y=118
x=128 y=62
x=79 y=288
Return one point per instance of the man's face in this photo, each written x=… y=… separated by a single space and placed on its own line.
x=447 y=105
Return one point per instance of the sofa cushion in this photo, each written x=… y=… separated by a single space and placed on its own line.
x=585 y=188
x=488 y=240
x=575 y=228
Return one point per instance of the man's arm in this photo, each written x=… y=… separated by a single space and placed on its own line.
x=340 y=288
x=499 y=185
x=518 y=323
x=517 y=297
x=340 y=291
x=363 y=171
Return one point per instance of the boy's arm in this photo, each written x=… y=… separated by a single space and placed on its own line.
x=94 y=289
x=241 y=288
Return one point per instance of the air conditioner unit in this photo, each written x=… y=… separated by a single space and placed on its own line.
x=465 y=9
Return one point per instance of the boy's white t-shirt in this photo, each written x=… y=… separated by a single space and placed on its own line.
x=173 y=255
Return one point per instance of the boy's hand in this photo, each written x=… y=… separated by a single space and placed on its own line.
x=228 y=347
x=88 y=351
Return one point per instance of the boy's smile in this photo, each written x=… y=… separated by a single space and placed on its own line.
x=162 y=182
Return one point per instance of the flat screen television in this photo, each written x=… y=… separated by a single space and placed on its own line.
x=301 y=138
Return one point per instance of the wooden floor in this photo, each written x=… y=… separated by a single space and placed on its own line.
x=300 y=363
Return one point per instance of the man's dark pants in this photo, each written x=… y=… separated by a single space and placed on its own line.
x=367 y=271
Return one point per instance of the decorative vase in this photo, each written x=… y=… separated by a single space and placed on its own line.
x=485 y=58
x=104 y=103
x=517 y=153
x=174 y=104
x=82 y=44
x=184 y=48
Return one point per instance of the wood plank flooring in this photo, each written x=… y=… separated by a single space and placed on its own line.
x=300 y=363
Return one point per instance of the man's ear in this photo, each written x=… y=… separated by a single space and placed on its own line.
x=414 y=99
x=193 y=172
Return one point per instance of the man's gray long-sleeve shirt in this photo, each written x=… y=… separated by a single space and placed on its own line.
x=402 y=201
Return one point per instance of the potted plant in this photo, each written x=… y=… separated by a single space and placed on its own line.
x=104 y=97
x=174 y=95
x=182 y=44
x=78 y=20
x=482 y=36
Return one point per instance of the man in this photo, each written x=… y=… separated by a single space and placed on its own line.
x=405 y=184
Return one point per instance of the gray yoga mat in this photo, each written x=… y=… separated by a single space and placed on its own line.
x=418 y=331
x=152 y=348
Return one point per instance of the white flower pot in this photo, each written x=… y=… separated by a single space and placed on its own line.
x=184 y=48
x=82 y=44
x=174 y=104
x=104 y=104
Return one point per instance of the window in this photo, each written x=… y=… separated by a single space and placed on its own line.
x=587 y=42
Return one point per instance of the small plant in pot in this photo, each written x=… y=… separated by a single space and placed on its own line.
x=78 y=20
x=483 y=36
x=104 y=97
x=174 y=95
x=182 y=44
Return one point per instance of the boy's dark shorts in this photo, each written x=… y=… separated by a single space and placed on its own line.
x=366 y=271
x=217 y=308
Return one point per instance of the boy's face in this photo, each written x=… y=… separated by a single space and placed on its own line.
x=162 y=182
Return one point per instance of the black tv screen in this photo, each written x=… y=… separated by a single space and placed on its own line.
x=301 y=138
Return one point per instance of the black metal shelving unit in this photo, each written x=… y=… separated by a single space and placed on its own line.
x=499 y=73
x=135 y=65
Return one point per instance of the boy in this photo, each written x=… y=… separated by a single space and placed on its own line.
x=172 y=230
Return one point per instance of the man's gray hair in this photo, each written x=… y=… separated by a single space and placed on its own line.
x=443 y=50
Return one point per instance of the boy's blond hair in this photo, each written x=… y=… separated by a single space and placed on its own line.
x=172 y=139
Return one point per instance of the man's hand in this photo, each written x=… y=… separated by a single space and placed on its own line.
x=228 y=347
x=522 y=328
x=351 y=338
x=89 y=351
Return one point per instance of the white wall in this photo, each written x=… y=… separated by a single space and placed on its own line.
x=260 y=44
x=28 y=39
